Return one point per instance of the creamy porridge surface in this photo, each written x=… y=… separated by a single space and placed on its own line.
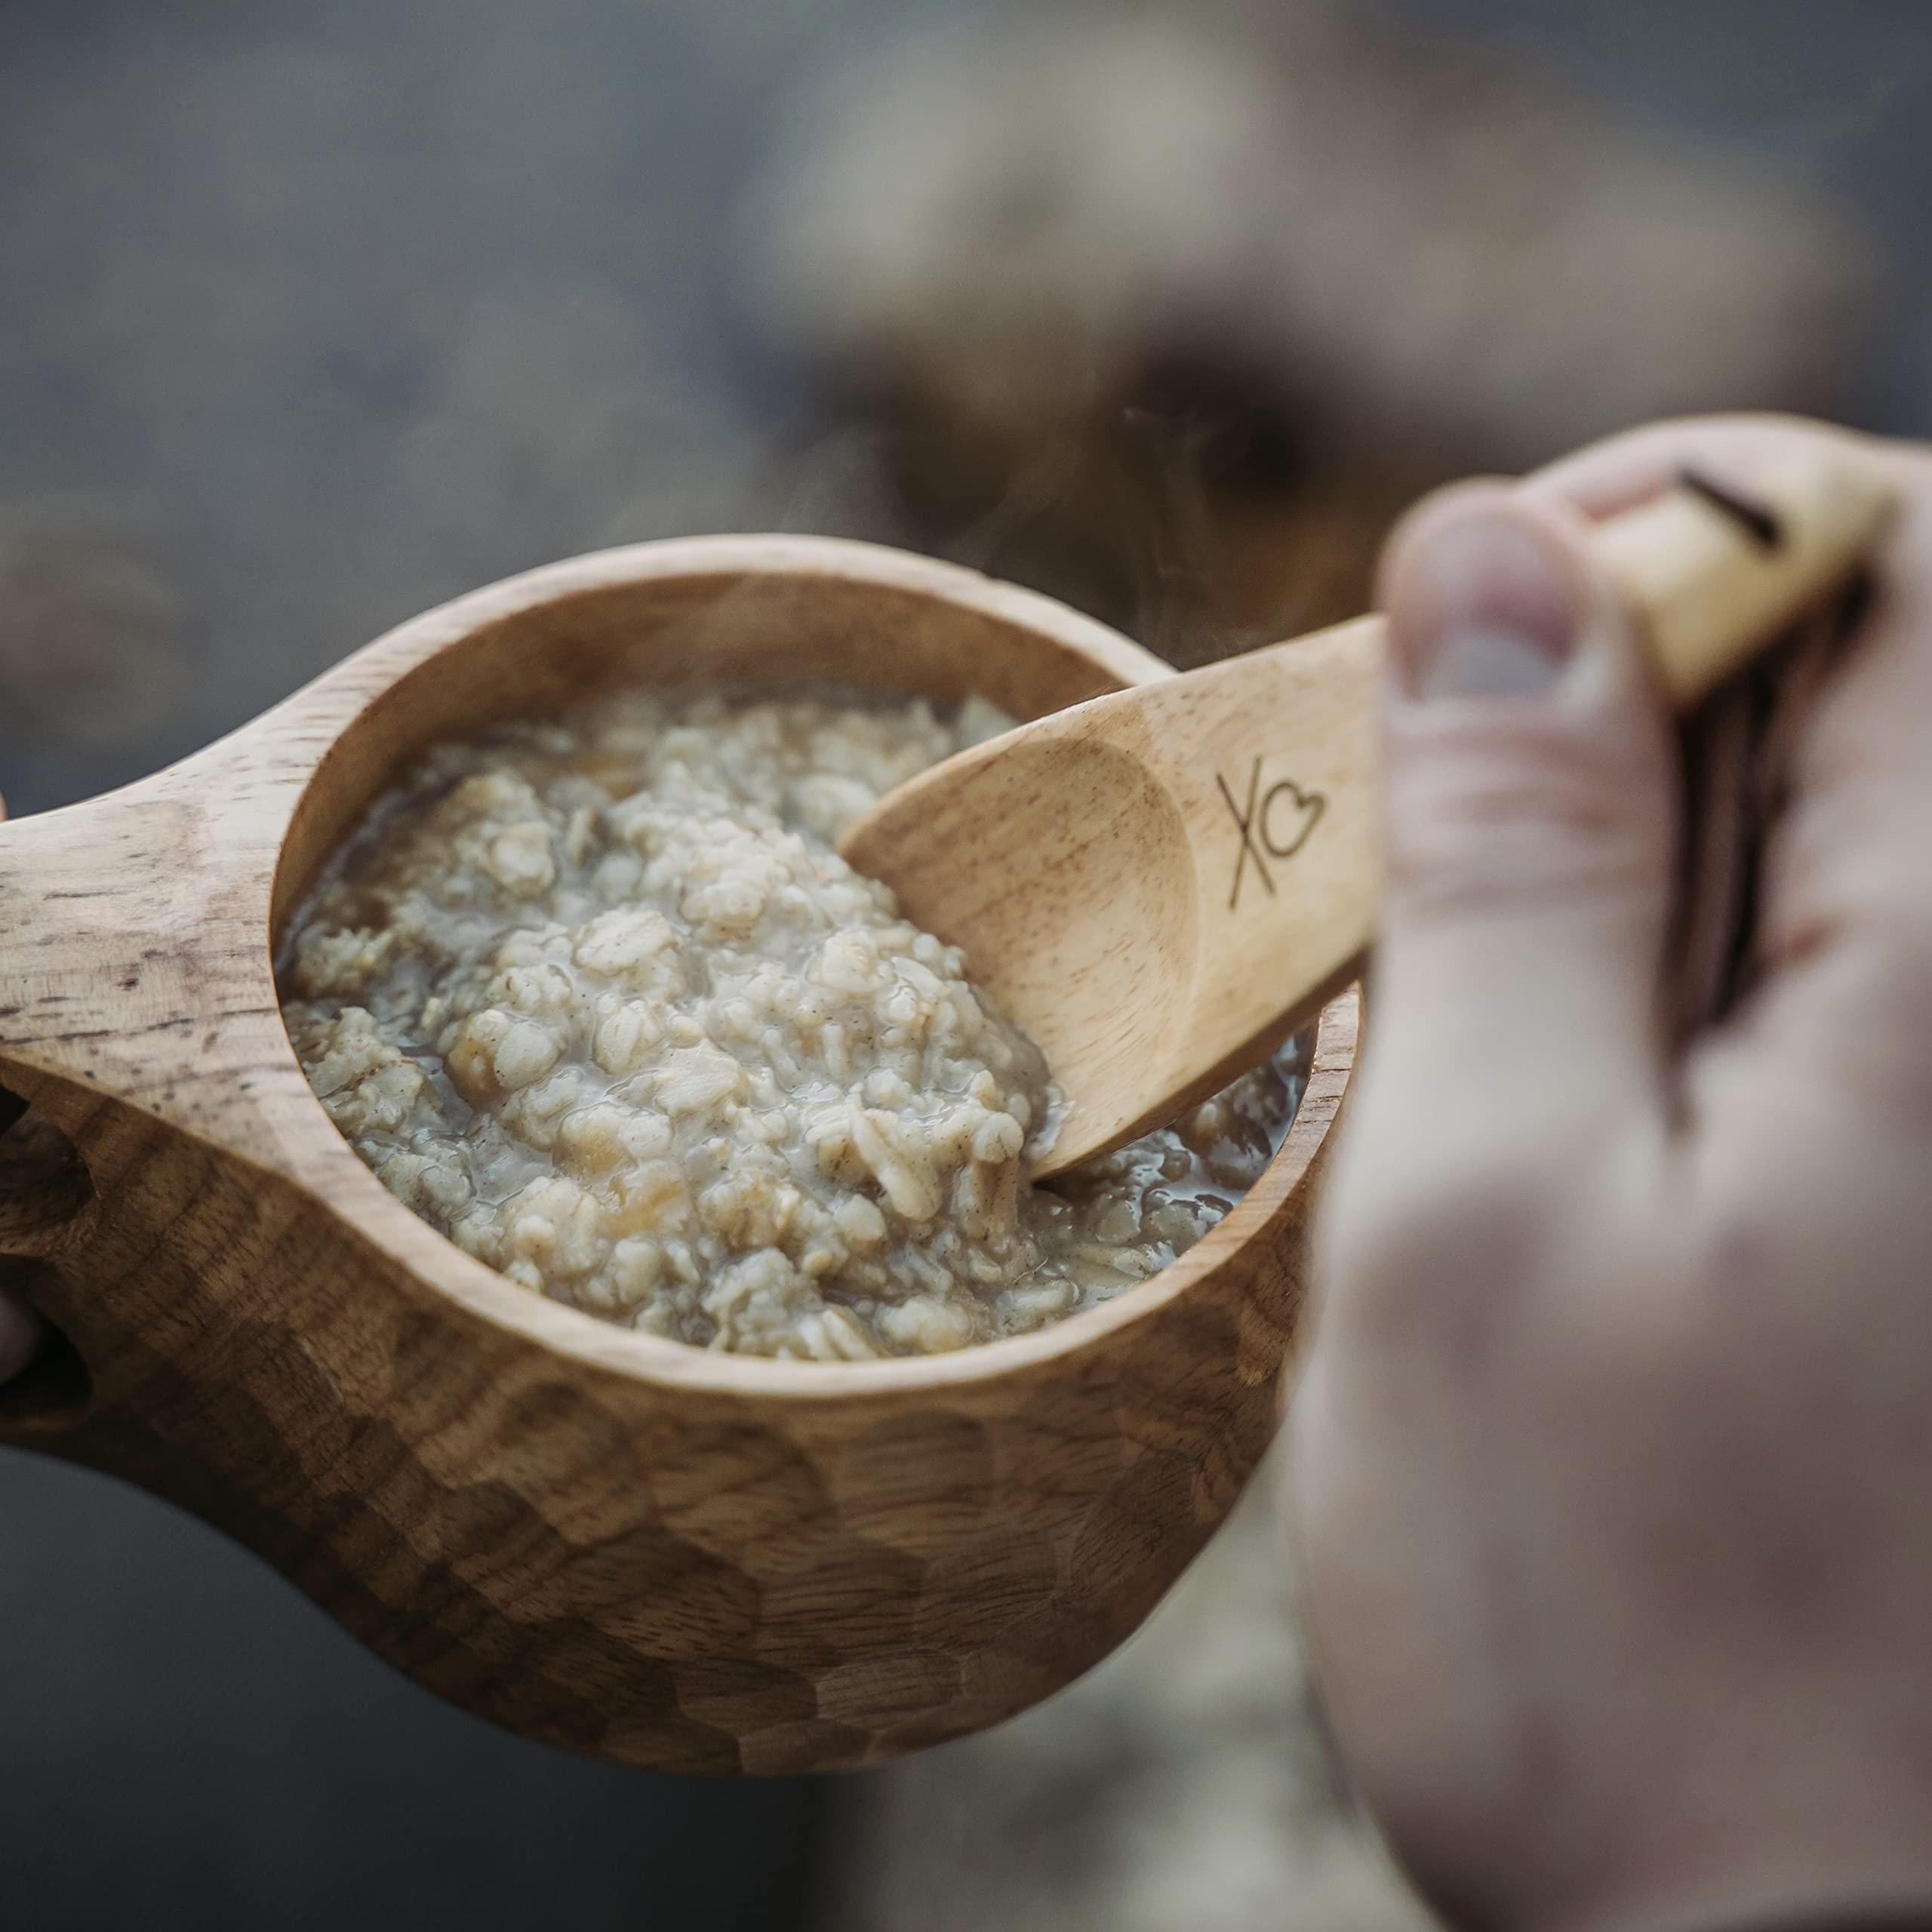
x=597 y=999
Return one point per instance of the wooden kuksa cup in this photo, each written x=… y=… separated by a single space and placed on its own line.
x=702 y=1562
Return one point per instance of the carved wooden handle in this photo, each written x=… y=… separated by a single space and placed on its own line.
x=44 y=1187
x=45 y=1197
x=44 y=1184
x=45 y=1190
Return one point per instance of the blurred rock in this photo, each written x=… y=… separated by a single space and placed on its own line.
x=1166 y=303
x=90 y=632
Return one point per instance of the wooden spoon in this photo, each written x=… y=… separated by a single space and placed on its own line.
x=1160 y=885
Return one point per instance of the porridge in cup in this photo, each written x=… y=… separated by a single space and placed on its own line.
x=598 y=999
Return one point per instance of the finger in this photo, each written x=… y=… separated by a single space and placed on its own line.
x=1845 y=942
x=21 y=1332
x=1529 y=815
x=1845 y=918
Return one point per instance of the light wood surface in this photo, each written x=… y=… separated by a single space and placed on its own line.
x=1160 y=884
x=1715 y=569
x=606 y=1540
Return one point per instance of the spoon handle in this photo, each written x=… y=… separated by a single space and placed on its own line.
x=1712 y=571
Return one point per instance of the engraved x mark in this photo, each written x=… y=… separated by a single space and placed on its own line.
x=1244 y=819
x=1257 y=841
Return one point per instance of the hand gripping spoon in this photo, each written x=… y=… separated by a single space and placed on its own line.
x=1162 y=885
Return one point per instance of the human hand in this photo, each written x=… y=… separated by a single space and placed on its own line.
x=1611 y=1469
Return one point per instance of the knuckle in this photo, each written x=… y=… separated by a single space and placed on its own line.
x=1510 y=810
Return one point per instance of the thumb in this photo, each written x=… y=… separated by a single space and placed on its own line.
x=1530 y=815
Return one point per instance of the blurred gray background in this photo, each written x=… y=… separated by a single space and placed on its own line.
x=311 y=316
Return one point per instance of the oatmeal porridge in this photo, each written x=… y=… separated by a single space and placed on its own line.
x=597 y=999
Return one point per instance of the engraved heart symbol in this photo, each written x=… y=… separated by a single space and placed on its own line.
x=1309 y=805
x=1278 y=824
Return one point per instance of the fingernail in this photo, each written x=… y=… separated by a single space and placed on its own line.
x=1486 y=609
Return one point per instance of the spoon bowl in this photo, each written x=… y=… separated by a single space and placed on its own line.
x=604 y=1539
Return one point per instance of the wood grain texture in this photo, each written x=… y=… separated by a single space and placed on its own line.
x=1714 y=568
x=602 y=1538
x=1160 y=884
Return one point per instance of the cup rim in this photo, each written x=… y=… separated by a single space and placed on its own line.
x=320 y=1158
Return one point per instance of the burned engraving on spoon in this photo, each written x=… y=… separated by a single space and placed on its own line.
x=1274 y=824
x=1756 y=520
